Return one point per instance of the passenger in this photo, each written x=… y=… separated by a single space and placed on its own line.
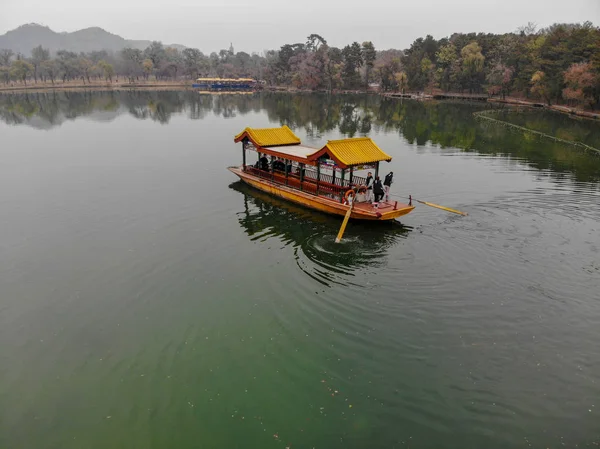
x=378 y=190
x=361 y=194
x=369 y=184
x=387 y=183
x=264 y=163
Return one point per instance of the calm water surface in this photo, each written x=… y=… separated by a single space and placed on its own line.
x=148 y=300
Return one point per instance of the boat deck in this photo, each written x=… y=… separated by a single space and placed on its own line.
x=382 y=206
x=326 y=189
x=327 y=200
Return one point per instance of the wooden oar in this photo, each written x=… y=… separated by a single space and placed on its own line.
x=338 y=239
x=454 y=211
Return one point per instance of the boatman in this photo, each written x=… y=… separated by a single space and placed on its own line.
x=387 y=183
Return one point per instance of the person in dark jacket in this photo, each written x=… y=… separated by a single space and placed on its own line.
x=279 y=165
x=264 y=163
x=378 y=189
x=387 y=183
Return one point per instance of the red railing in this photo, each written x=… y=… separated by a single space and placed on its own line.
x=337 y=181
x=325 y=185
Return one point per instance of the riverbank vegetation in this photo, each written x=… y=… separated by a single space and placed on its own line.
x=558 y=64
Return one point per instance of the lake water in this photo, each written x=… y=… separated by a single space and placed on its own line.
x=148 y=300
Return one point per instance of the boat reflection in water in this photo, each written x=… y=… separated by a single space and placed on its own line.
x=312 y=235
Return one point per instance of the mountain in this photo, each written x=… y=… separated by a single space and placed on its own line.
x=26 y=37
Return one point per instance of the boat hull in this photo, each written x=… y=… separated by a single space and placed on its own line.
x=361 y=211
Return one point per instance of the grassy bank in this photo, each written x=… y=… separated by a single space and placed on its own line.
x=95 y=85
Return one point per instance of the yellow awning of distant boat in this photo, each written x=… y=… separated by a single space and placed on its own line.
x=351 y=152
x=269 y=137
x=225 y=79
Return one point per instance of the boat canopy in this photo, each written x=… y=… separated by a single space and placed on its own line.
x=230 y=80
x=298 y=153
x=283 y=143
x=269 y=137
x=351 y=152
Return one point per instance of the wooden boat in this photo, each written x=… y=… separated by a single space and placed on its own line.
x=313 y=177
x=224 y=83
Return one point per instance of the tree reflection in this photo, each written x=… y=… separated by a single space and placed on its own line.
x=444 y=124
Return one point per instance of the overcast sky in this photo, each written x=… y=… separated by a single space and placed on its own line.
x=265 y=24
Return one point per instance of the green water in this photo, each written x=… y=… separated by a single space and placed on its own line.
x=149 y=300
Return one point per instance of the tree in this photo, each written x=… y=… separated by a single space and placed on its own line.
x=5 y=74
x=5 y=57
x=500 y=78
x=581 y=84
x=38 y=56
x=155 y=52
x=412 y=61
x=539 y=86
x=528 y=29
x=97 y=55
x=49 y=69
x=352 y=55
x=132 y=58
x=446 y=58
x=172 y=63
x=68 y=64
x=401 y=80
x=333 y=68
x=282 y=67
x=241 y=61
x=427 y=70
x=386 y=66
x=107 y=69
x=368 y=56
x=314 y=41
x=310 y=69
x=472 y=62
x=85 y=67
x=21 y=69
x=147 y=67
x=192 y=59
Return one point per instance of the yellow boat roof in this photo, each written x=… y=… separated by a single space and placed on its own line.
x=350 y=152
x=345 y=152
x=269 y=137
x=225 y=79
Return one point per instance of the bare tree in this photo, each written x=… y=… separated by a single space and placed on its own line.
x=528 y=29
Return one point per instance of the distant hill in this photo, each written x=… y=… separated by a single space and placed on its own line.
x=26 y=37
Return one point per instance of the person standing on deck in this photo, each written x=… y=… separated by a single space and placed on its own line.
x=378 y=189
x=369 y=184
x=387 y=183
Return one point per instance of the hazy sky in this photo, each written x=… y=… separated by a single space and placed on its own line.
x=265 y=24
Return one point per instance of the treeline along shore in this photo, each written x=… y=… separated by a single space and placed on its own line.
x=558 y=65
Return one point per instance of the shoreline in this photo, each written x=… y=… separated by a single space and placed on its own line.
x=179 y=85
x=98 y=86
x=512 y=101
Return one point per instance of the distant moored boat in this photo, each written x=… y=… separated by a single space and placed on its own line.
x=224 y=83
